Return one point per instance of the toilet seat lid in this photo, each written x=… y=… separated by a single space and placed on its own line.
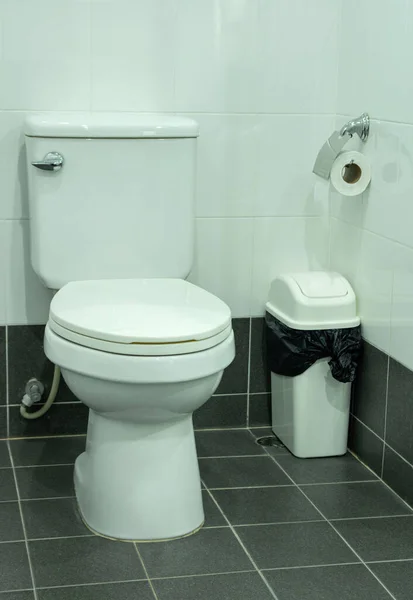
x=139 y=311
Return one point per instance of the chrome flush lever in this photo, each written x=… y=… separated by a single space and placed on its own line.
x=53 y=161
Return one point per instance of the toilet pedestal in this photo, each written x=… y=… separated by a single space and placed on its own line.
x=139 y=481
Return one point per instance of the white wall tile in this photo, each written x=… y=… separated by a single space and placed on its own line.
x=297 y=50
x=216 y=55
x=13 y=169
x=45 y=61
x=260 y=165
x=223 y=258
x=373 y=285
x=374 y=74
x=284 y=245
x=345 y=242
x=27 y=299
x=133 y=55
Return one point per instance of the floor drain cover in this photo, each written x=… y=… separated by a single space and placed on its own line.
x=270 y=440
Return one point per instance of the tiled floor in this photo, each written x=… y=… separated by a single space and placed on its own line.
x=276 y=527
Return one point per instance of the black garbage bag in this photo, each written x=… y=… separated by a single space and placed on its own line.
x=293 y=351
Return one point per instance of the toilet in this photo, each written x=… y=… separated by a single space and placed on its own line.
x=111 y=200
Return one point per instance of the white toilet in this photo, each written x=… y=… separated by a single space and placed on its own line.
x=112 y=224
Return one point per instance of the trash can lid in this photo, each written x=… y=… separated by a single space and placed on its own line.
x=313 y=300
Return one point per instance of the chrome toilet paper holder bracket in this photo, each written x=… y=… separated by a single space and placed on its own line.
x=336 y=142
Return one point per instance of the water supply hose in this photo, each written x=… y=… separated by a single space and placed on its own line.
x=51 y=398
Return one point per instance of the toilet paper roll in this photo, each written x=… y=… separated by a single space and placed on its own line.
x=351 y=173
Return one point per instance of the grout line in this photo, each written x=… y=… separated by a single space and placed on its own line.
x=46 y=437
x=385 y=410
x=61 y=537
x=16 y=591
x=47 y=498
x=145 y=571
x=23 y=525
x=377 y=562
x=58 y=403
x=249 y=372
x=261 y=455
x=71 y=585
x=224 y=395
x=375 y=517
x=311 y=566
x=338 y=533
x=289 y=485
x=260 y=394
x=240 y=542
x=203 y=575
x=46 y=465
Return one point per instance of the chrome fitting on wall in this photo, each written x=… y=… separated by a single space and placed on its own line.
x=336 y=142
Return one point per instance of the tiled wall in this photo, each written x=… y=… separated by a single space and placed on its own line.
x=241 y=399
x=382 y=417
x=262 y=118
x=371 y=235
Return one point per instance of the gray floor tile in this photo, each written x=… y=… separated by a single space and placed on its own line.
x=397 y=577
x=14 y=572
x=47 y=451
x=45 y=482
x=379 y=539
x=345 y=582
x=133 y=590
x=213 y=517
x=4 y=455
x=265 y=505
x=52 y=518
x=349 y=500
x=10 y=522
x=7 y=485
x=325 y=470
x=236 y=442
x=241 y=472
x=73 y=561
x=208 y=551
x=234 y=586
x=295 y=545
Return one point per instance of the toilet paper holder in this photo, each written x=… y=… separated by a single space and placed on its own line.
x=336 y=142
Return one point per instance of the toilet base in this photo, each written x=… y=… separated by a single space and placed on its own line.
x=139 y=481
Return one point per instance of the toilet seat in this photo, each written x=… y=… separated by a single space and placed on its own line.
x=141 y=317
x=137 y=369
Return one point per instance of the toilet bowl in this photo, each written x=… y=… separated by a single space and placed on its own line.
x=142 y=355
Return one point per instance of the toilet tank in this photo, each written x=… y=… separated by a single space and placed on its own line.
x=122 y=204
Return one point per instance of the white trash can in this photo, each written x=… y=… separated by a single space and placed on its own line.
x=310 y=411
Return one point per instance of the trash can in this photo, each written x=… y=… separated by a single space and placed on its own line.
x=313 y=340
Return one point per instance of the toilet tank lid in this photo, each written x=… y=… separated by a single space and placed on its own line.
x=109 y=125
